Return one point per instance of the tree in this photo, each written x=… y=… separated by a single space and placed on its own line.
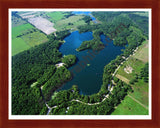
x=87 y=19
x=69 y=60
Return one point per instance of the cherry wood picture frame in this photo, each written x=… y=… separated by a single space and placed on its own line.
x=5 y=5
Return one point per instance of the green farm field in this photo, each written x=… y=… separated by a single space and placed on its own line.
x=55 y=16
x=135 y=103
x=28 y=37
x=18 y=45
x=141 y=92
x=69 y=23
x=23 y=36
x=143 y=52
x=136 y=61
x=128 y=106
x=34 y=38
x=20 y=29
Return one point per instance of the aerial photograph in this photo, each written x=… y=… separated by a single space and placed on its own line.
x=79 y=62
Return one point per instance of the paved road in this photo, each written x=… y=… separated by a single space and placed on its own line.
x=91 y=103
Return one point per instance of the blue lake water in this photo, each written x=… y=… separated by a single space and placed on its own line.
x=85 y=13
x=88 y=71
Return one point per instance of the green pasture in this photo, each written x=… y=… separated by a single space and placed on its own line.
x=18 y=45
x=29 y=39
x=143 y=52
x=55 y=16
x=69 y=23
x=141 y=92
x=140 y=89
x=129 y=107
x=34 y=38
x=18 y=30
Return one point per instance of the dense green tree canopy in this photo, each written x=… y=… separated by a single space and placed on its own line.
x=35 y=76
x=69 y=60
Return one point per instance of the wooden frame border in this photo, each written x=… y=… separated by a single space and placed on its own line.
x=6 y=4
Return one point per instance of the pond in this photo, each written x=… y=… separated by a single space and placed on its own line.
x=88 y=71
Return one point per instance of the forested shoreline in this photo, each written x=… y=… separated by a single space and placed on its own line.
x=37 y=66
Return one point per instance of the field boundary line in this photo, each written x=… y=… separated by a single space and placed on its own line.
x=138 y=102
x=122 y=78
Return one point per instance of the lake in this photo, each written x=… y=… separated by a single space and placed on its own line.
x=88 y=71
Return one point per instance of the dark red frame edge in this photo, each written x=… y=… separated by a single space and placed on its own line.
x=6 y=4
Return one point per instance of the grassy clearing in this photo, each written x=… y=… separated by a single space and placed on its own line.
x=71 y=19
x=143 y=52
x=130 y=107
x=55 y=16
x=34 y=84
x=140 y=92
x=34 y=38
x=18 y=45
x=135 y=64
x=54 y=95
x=71 y=22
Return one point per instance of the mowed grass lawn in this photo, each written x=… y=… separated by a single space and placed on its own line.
x=129 y=107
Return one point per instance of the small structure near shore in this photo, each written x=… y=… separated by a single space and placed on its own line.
x=59 y=65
